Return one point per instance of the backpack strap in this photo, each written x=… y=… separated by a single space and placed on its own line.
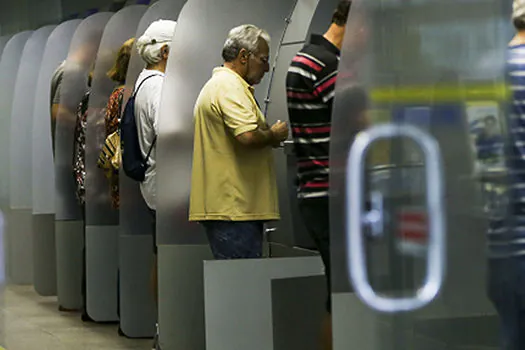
x=142 y=82
x=150 y=150
x=134 y=95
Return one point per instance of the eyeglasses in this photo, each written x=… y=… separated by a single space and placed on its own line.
x=263 y=59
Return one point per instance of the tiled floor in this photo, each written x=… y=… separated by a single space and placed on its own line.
x=30 y=322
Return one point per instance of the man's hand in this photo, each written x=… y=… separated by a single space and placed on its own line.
x=279 y=131
x=264 y=137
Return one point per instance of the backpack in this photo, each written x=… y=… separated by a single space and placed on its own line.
x=133 y=163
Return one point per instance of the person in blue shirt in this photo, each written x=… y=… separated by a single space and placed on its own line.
x=489 y=143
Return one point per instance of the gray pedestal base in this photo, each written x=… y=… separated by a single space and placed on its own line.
x=102 y=272
x=355 y=326
x=181 y=288
x=137 y=306
x=238 y=299
x=19 y=246
x=298 y=310
x=44 y=255
x=69 y=244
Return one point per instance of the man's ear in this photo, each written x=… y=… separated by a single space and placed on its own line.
x=165 y=51
x=243 y=56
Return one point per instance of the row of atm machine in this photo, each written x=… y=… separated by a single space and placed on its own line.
x=272 y=303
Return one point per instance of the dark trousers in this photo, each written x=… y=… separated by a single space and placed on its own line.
x=506 y=289
x=235 y=239
x=316 y=217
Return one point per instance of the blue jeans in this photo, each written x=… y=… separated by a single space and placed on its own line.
x=506 y=289
x=235 y=239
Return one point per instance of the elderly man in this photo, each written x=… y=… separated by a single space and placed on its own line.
x=234 y=190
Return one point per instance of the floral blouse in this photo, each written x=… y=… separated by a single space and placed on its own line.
x=79 y=149
x=112 y=121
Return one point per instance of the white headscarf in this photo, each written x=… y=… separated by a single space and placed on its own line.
x=518 y=9
x=158 y=34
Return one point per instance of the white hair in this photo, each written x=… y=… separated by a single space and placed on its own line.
x=246 y=37
x=151 y=53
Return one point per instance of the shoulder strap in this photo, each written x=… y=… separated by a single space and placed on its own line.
x=150 y=150
x=134 y=94
x=142 y=82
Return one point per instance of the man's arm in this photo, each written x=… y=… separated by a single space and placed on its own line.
x=243 y=123
x=258 y=138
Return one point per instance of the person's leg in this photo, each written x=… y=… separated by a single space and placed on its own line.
x=235 y=239
x=84 y=314
x=316 y=216
x=520 y=328
x=502 y=293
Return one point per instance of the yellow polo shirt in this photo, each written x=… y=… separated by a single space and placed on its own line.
x=230 y=182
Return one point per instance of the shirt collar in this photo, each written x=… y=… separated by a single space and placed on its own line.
x=229 y=71
x=153 y=72
x=320 y=40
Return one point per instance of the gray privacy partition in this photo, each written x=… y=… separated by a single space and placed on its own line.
x=201 y=32
x=424 y=51
x=3 y=42
x=6 y=99
x=44 y=251
x=3 y=281
x=68 y=220
x=8 y=74
x=238 y=300
x=102 y=234
x=21 y=181
x=137 y=307
x=297 y=321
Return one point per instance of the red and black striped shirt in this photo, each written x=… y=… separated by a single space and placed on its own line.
x=310 y=86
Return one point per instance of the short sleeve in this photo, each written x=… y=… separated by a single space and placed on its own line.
x=238 y=111
x=154 y=107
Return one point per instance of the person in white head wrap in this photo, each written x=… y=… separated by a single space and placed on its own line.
x=154 y=48
x=157 y=38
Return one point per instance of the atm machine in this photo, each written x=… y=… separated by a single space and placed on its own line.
x=408 y=220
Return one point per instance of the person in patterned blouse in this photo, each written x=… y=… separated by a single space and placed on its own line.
x=79 y=148
x=114 y=107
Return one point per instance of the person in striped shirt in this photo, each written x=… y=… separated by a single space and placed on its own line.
x=310 y=85
x=506 y=234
